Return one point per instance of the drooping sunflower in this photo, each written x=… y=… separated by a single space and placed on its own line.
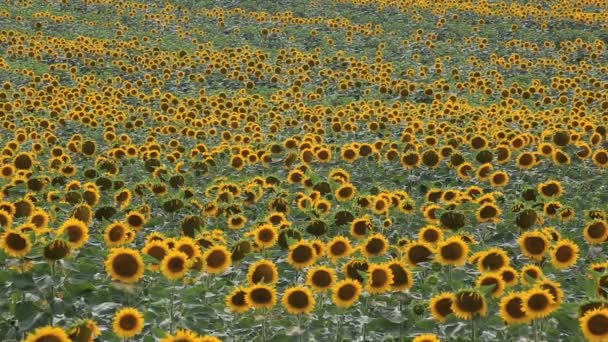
x=261 y=296
x=321 y=278
x=375 y=245
x=537 y=303
x=468 y=304
x=380 y=278
x=125 y=265
x=77 y=232
x=175 y=265
x=84 y=331
x=511 y=309
x=263 y=271
x=564 y=254
x=441 y=306
x=417 y=252
x=594 y=325
x=298 y=300
x=301 y=254
x=128 y=322
x=534 y=244
x=217 y=259
x=452 y=251
x=403 y=279
x=48 y=333
x=339 y=247
x=346 y=292
x=56 y=249
x=354 y=268
x=15 y=243
x=236 y=300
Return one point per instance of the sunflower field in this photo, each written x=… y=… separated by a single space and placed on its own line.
x=303 y=170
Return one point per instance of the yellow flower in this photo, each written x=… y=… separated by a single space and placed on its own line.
x=298 y=300
x=125 y=265
x=128 y=322
x=48 y=333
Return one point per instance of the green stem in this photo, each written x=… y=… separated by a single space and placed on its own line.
x=300 y=332
x=339 y=329
x=449 y=277
x=52 y=292
x=473 y=329
x=264 y=325
x=172 y=309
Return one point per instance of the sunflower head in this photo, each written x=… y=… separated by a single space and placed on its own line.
x=237 y=300
x=128 y=322
x=125 y=265
x=298 y=300
x=48 y=333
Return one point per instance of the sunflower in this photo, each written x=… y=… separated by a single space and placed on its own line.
x=188 y=246
x=594 y=324
x=508 y=275
x=237 y=222
x=441 y=306
x=298 y=300
x=345 y=192
x=346 y=292
x=375 y=245
x=175 y=265
x=86 y=330
x=511 y=309
x=403 y=279
x=468 y=304
x=135 y=220
x=537 y=303
x=431 y=234
x=125 y=265
x=354 y=268
x=494 y=281
x=499 y=179
x=263 y=271
x=360 y=226
x=48 y=333
x=554 y=289
x=115 y=234
x=301 y=254
x=236 y=300
x=452 y=251
x=493 y=260
x=182 y=336
x=551 y=189
x=266 y=235
x=56 y=249
x=261 y=296
x=534 y=244
x=530 y=274
x=40 y=219
x=209 y=338
x=596 y=232
x=157 y=249
x=380 y=277
x=15 y=243
x=426 y=338
x=488 y=212
x=600 y=158
x=128 y=322
x=339 y=247
x=417 y=252
x=321 y=278
x=216 y=259
x=77 y=232
x=564 y=254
